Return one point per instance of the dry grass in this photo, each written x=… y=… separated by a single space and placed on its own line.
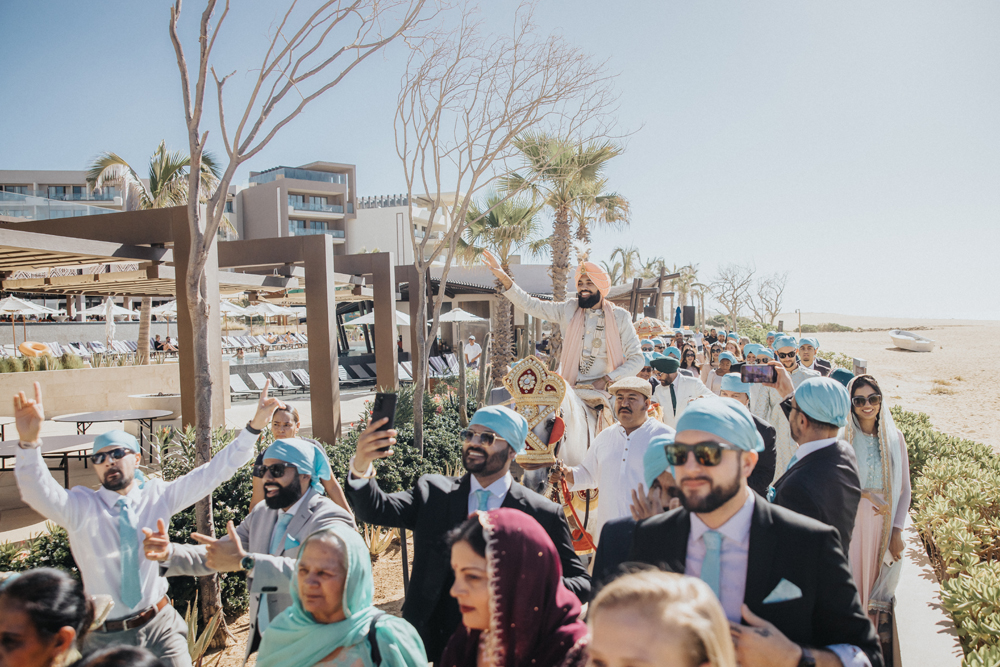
x=959 y=378
x=943 y=383
x=942 y=390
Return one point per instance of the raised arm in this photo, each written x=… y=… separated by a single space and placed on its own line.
x=546 y=310
x=372 y=504
x=38 y=489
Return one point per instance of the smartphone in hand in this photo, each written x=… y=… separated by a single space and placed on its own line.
x=759 y=373
x=384 y=406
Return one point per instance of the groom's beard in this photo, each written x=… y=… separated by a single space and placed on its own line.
x=590 y=301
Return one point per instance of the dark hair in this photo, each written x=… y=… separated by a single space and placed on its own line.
x=868 y=381
x=815 y=423
x=52 y=600
x=470 y=532
x=294 y=412
x=120 y=656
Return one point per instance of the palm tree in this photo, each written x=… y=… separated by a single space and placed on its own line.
x=631 y=261
x=614 y=271
x=505 y=227
x=560 y=174
x=699 y=290
x=168 y=186
x=595 y=207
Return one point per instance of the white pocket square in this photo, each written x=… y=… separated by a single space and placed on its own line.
x=783 y=592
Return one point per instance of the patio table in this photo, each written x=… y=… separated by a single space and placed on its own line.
x=54 y=447
x=84 y=420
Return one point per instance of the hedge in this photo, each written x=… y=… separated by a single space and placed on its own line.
x=956 y=509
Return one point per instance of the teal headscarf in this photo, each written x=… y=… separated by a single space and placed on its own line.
x=295 y=639
x=729 y=356
x=644 y=341
x=654 y=461
x=733 y=382
x=765 y=352
x=824 y=400
x=648 y=357
x=121 y=439
x=304 y=456
x=784 y=341
x=752 y=348
x=672 y=352
x=725 y=417
x=809 y=341
x=506 y=423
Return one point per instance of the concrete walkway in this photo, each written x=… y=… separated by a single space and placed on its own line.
x=19 y=522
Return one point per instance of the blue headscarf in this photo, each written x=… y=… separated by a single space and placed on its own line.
x=304 y=456
x=729 y=356
x=809 y=341
x=295 y=639
x=644 y=341
x=733 y=382
x=658 y=341
x=654 y=461
x=648 y=357
x=121 y=439
x=765 y=352
x=726 y=418
x=733 y=336
x=752 y=348
x=672 y=352
x=784 y=341
x=824 y=400
x=772 y=334
x=506 y=423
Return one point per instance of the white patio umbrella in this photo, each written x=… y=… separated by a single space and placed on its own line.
x=266 y=309
x=459 y=316
x=101 y=310
x=14 y=306
x=402 y=319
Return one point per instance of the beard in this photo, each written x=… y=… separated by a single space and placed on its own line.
x=717 y=496
x=285 y=497
x=491 y=463
x=590 y=301
x=118 y=483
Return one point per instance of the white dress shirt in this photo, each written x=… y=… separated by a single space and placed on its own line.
x=810 y=447
x=733 y=566
x=686 y=389
x=91 y=517
x=613 y=464
x=498 y=489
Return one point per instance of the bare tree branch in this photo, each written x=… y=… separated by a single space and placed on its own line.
x=766 y=301
x=731 y=288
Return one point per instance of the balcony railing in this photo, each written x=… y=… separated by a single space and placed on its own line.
x=335 y=233
x=30 y=207
x=81 y=196
x=300 y=174
x=319 y=208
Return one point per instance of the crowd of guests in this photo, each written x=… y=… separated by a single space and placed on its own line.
x=738 y=523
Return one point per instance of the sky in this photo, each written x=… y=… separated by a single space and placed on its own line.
x=853 y=145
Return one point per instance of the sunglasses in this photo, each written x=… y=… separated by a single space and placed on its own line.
x=705 y=453
x=277 y=470
x=787 y=407
x=116 y=454
x=484 y=438
x=787 y=355
x=689 y=356
x=872 y=399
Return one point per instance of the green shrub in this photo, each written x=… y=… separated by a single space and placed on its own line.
x=832 y=327
x=71 y=361
x=807 y=328
x=837 y=359
x=11 y=365
x=49 y=549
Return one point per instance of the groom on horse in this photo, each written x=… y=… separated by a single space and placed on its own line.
x=600 y=345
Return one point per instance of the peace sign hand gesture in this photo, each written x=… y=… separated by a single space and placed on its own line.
x=265 y=408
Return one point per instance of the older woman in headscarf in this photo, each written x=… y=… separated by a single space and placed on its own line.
x=884 y=471
x=600 y=345
x=516 y=612
x=332 y=622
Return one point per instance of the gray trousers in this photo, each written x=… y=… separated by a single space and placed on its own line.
x=165 y=637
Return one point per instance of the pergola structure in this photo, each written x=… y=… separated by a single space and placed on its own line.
x=158 y=241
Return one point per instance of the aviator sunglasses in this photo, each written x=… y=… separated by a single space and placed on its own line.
x=485 y=438
x=277 y=470
x=787 y=355
x=705 y=453
x=116 y=454
x=872 y=399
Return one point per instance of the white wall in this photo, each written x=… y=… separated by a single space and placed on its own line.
x=382 y=228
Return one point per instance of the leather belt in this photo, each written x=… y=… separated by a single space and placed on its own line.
x=136 y=621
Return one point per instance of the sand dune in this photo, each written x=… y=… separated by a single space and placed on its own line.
x=957 y=384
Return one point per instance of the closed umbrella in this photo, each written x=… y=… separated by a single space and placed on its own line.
x=677 y=318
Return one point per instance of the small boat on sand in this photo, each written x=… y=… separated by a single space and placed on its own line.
x=908 y=340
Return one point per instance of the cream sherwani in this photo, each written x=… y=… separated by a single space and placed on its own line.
x=765 y=402
x=613 y=464
x=594 y=362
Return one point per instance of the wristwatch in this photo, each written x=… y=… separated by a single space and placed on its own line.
x=247 y=563
x=807 y=659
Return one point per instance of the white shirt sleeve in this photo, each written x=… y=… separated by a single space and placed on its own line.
x=586 y=474
x=40 y=490
x=547 y=310
x=631 y=348
x=358 y=482
x=200 y=482
x=850 y=655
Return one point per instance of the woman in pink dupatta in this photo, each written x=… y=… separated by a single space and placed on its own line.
x=884 y=471
x=515 y=610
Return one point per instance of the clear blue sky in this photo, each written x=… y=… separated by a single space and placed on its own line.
x=855 y=145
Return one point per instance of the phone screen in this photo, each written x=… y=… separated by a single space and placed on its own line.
x=384 y=406
x=757 y=373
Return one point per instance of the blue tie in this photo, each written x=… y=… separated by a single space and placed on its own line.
x=278 y=536
x=712 y=565
x=795 y=459
x=483 y=498
x=131 y=590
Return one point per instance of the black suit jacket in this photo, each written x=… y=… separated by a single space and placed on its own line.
x=783 y=545
x=763 y=472
x=436 y=505
x=823 y=366
x=613 y=549
x=824 y=486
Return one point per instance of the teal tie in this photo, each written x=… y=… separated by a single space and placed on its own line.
x=795 y=459
x=483 y=498
x=710 y=568
x=673 y=398
x=278 y=536
x=131 y=590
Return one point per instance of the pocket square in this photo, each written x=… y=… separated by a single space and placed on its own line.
x=290 y=542
x=783 y=592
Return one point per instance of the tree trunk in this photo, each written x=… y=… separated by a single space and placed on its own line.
x=142 y=345
x=419 y=359
x=502 y=336
x=463 y=403
x=560 y=247
x=484 y=366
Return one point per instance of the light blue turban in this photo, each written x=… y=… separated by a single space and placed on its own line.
x=644 y=341
x=733 y=336
x=764 y=352
x=784 y=341
x=824 y=400
x=809 y=341
x=506 y=423
x=726 y=418
x=672 y=352
x=116 y=439
x=648 y=356
x=304 y=456
x=659 y=341
x=752 y=348
x=772 y=334
x=732 y=382
x=654 y=461
x=657 y=355
x=729 y=356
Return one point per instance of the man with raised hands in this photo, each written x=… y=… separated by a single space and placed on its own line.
x=104 y=526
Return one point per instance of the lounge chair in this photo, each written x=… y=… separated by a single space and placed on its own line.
x=360 y=372
x=258 y=380
x=345 y=379
x=281 y=381
x=237 y=387
x=404 y=375
x=302 y=377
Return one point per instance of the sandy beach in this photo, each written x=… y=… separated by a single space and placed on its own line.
x=955 y=384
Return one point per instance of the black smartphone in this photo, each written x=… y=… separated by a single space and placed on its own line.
x=757 y=373
x=384 y=406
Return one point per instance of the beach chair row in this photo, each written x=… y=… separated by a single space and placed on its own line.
x=280 y=383
x=81 y=349
x=287 y=341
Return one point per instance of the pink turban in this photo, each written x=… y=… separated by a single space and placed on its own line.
x=597 y=275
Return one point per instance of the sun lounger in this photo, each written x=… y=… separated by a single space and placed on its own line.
x=97 y=347
x=258 y=380
x=452 y=363
x=360 y=372
x=404 y=375
x=301 y=376
x=345 y=379
x=279 y=379
x=238 y=387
